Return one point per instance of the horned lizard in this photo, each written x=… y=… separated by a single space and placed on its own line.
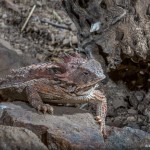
x=74 y=80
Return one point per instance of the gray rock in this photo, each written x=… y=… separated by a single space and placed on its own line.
x=9 y=59
x=133 y=125
x=133 y=100
x=60 y=37
x=121 y=111
x=119 y=103
x=131 y=119
x=141 y=119
x=146 y=100
x=139 y=95
x=116 y=94
x=73 y=27
x=118 y=121
x=4 y=16
x=147 y=112
x=74 y=40
x=111 y=111
x=127 y=139
x=132 y=111
x=67 y=128
x=13 y=138
x=66 y=42
x=141 y=107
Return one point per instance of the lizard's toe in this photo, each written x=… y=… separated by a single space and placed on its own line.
x=98 y=119
x=45 y=108
x=50 y=109
x=102 y=126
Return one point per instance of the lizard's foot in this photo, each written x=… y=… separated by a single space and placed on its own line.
x=102 y=126
x=45 y=108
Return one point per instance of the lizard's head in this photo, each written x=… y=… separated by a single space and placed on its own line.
x=82 y=72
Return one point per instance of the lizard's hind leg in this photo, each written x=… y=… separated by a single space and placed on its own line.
x=101 y=110
x=36 y=101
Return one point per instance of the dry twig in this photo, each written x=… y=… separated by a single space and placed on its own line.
x=54 y=24
x=29 y=16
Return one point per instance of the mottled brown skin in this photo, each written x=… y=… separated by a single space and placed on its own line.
x=74 y=80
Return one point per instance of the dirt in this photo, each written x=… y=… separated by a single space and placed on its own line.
x=38 y=40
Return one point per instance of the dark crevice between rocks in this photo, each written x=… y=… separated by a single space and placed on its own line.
x=102 y=53
x=127 y=99
x=83 y=4
x=103 y=5
x=135 y=75
x=44 y=138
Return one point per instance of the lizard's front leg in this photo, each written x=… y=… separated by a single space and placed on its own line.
x=101 y=110
x=36 y=101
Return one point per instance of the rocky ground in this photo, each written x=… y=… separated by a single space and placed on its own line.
x=68 y=129
x=40 y=42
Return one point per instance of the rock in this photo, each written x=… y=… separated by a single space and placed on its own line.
x=3 y=25
x=131 y=119
x=121 y=111
x=109 y=121
x=75 y=129
x=133 y=125
x=13 y=138
x=39 y=57
x=127 y=139
x=147 y=113
x=144 y=128
x=132 y=111
x=74 y=40
x=9 y=59
x=66 y=42
x=133 y=100
x=39 y=3
x=146 y=100
x=116 y=94
x=118 y=121
x=60 y=37
x=69 y=128
x=141 y=108
x=119 y=103
x=141 y=119
x=74 y=135
x=73 y=27
x=148 y=128
x=4 y=16
x=139 y=95
x=111 y=111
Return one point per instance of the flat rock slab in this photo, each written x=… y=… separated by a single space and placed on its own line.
x=71 y=129
x=13 y=138
x=61 y=131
